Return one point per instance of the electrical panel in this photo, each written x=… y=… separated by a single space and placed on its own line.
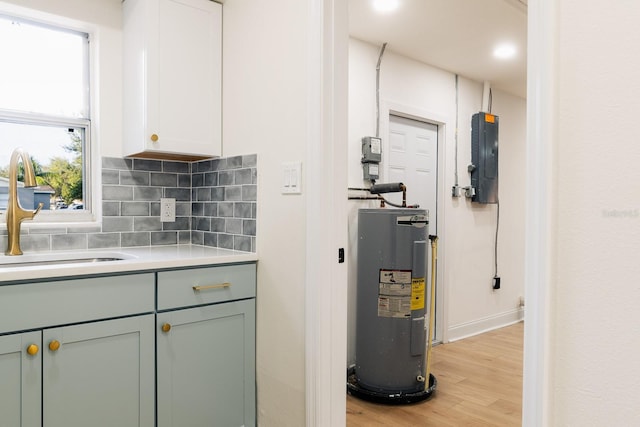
x=371 y=149
x=484 y=157
x=371 y=157
x=370 y=171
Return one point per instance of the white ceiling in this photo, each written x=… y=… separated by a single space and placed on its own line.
x=455 y=35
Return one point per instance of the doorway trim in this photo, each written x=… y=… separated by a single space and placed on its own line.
x=326 y=206
x=388 y=108
x=539 y=239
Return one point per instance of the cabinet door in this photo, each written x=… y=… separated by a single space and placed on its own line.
x=101 y=375
x=172 y=77
x=206 y=366
x=20 y=384
x=188 y=72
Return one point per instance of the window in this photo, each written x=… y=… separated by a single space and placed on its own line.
x=44 y=108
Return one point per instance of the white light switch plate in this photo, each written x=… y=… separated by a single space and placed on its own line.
x=292 y=178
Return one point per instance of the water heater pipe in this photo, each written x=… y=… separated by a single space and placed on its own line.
x=432 y=306
x=377 y=189
x=393 y=187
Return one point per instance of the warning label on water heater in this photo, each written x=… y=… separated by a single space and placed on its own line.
x=394 y=293
x=417 y=293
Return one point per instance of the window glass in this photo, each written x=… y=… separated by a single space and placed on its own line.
x=56 y=154
x=44 y=69
x=44 y=109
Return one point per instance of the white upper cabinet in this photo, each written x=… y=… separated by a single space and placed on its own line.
x=172 y=79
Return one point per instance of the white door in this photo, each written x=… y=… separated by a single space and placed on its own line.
x=412 y=158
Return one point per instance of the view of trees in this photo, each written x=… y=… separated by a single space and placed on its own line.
x=62 y=175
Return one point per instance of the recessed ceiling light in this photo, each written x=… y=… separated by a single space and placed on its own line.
x=385 y=6
x=505 y=51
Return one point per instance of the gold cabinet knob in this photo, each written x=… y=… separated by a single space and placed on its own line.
x=154 y=137
x=166 y=327
x=32 y=350
x=54 y=345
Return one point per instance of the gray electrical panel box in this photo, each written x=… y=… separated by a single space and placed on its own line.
x=484 y=157
x=371 y=149
x=371 y=157
x=370 y=171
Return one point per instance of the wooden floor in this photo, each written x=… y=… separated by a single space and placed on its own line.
x=479 y=384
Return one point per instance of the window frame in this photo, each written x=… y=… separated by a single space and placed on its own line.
x=89 y=215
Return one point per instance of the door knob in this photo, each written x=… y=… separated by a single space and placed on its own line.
x=166 y=327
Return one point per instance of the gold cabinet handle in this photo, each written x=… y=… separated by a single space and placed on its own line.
x=32 y=350
x=54 y=345
x=219 y=286
x=166 y=327
x=154 y=137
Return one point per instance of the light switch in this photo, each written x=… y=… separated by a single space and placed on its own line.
x=292 y=178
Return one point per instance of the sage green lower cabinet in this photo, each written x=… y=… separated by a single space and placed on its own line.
x=98 y=374
x=97 y=369
x=102 y=374
x=172 y=348
x=20 y=380
x=206 y=366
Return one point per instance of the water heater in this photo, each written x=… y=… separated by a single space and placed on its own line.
x=392 y=315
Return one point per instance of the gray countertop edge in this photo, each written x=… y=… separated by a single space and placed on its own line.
x=138 y=259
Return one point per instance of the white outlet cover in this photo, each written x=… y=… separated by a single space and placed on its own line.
x=167 y=210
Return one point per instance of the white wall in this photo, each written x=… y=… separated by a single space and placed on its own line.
x=593 y=317
x=265 y=98
x=467 y=230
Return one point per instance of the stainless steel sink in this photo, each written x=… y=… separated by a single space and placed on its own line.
x=34 y=260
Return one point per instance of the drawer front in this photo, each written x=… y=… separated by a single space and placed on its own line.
x=197 y=286
x=60 y=302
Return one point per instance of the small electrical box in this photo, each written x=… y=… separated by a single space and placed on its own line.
x=371 y=157
x=484 y=156
x=371 y=149
x=370 y=171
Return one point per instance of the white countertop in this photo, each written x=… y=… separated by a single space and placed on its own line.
x=136 y=259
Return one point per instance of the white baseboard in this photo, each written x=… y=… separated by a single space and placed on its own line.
x=475 y=327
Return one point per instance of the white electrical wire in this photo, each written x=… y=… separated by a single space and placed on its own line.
x=384 y=45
